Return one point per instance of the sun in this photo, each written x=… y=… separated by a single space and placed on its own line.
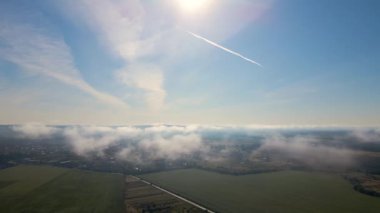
x=192 y=6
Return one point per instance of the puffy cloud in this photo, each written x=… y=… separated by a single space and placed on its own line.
x=35 y=130
x=154 y=142
x=307 y=150
x=366 y=135
x=90 y=140
x=172 y=147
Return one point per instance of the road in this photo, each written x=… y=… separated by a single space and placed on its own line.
x=175 y=195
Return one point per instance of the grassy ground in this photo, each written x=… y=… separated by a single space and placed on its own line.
x=50 y=189
x=287 y=191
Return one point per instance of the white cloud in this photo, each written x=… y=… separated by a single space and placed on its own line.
x=40 y=53
x=148 y=78
x=366 y=135
x=35 y=130
x=158 y=142
x=120 y=26
x=144 y=144
x=85 y=140
x=307 y=149
x=172 y=147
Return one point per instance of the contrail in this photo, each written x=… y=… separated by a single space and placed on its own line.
x=223 y=48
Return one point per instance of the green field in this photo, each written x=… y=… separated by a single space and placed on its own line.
x=286 y=191
x=50 y=189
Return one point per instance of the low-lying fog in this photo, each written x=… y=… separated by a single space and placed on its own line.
x=140 y=144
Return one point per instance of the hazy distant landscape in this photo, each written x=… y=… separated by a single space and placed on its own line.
x=225 y=169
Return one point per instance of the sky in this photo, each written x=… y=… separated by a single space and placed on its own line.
x=240 y=62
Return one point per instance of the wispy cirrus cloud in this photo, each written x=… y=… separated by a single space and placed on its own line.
x=148 y=78
x=120 y=26
x=40 y=53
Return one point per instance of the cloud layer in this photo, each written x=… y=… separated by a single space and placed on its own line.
x=307 y=150
x=217 y=144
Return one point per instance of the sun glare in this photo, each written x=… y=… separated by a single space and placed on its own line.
x=191 y=6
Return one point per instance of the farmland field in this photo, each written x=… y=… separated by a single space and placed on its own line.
x=49 y=189
x=143 y=197
x=286 y=191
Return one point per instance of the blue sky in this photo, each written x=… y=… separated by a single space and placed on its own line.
x=134 y=62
